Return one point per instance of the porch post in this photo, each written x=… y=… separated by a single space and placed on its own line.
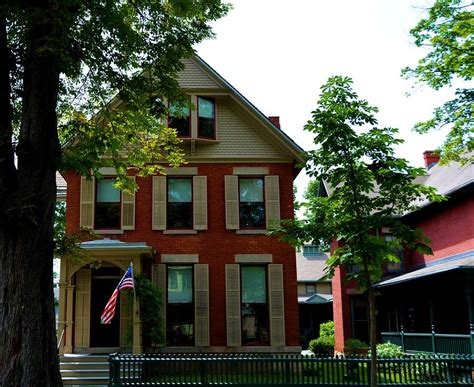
x=137 y=324
x=433 y=334
x=69 y=320
x=62 y=305
x=470 y=310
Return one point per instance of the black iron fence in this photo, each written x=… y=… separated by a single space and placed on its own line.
x=296 y=370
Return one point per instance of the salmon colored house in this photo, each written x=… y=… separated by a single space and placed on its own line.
x=198 y=232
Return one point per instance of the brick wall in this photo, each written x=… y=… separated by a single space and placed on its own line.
x=451 y=230
x=215 y=246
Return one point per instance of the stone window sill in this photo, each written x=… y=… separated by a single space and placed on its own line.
x=108 y=232
x=179 y=232
x=251 y=232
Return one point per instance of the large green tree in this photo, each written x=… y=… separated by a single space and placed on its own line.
x=448 y=33
x=369 y=189
x=61 y=61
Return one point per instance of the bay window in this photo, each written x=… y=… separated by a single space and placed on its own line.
x=180 y=119
x=206 y=118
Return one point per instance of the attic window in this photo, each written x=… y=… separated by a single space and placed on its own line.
x=206 y=118
x=180 y=119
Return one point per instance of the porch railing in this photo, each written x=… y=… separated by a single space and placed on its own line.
x=296 y=370
x=430 y=342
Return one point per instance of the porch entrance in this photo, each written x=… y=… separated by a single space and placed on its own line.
x=104 y=281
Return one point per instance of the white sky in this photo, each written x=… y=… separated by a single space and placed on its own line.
x=278 y=53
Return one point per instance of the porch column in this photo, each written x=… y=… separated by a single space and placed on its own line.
x=470 y=310
x=62 y=305
x=137 y=324
x=69 y=320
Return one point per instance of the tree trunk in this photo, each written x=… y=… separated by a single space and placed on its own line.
x=373 y=338
x=29 y=351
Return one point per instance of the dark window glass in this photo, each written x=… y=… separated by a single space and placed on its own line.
x=180 y=308
x=254 y=310
x=206 y=117
x=180 y=203
x=107 y=206
x=180 y=119
x=394 y=267
x=252 y=205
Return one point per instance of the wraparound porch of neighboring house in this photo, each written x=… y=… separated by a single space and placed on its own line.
x=83 y=294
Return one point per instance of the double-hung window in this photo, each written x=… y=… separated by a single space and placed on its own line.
x=394 y=267
x=254 y=308
x=180 y=203
x=180 y=306
x=206 y=118
x=180 y=119
x=251 y=202
x=107 y=205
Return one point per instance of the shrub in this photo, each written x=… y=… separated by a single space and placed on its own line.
x=389 y=349
x=355 y=346
x=323 y=346
x=327 y=329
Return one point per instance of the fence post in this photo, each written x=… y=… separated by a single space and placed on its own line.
x=112 y=372
x=402 y=336
x=470 y=310
x=287 y=370
x=203 y=370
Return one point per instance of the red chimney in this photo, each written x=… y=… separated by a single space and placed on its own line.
x=430 y=158
x=275 y=121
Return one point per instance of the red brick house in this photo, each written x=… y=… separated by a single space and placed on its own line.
x=426 y=301
x=198 y=232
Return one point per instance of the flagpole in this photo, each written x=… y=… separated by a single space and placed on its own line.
x=134 y=292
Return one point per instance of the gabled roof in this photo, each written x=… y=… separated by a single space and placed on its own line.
x=310 y=267
x=273 y=131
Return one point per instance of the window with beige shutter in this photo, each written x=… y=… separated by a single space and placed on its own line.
x=87 y=197
x=251 y=202
x=201 y=305
x=272 y=200
x=200 y=202
x=128 y=210
x=277 y=302
x=232 y=285
x=159 y=203
x=158 y=277
x=231 y=202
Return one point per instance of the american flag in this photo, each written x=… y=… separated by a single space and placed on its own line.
x=125 y=283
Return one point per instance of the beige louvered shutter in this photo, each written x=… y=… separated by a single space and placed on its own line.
x=159 y=203
x=200 y=202
x=158 y=277
x=128 y=210
x=272 y=199
x=232 y=202
x=201 y=305
x=83 y=308
x=277 y=302
x=126 y=313
x=87 y=203
x=232 y=289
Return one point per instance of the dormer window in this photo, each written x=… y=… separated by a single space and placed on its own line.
x=180 y=119
x=206 y=118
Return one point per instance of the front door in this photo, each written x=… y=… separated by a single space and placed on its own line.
x=104 y=282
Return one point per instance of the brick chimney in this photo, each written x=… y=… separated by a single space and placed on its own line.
x=275 y=121
x=431 y=158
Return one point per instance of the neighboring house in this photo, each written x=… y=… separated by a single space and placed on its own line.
x=198 y=233
x=314 y=292
x=426 y=301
